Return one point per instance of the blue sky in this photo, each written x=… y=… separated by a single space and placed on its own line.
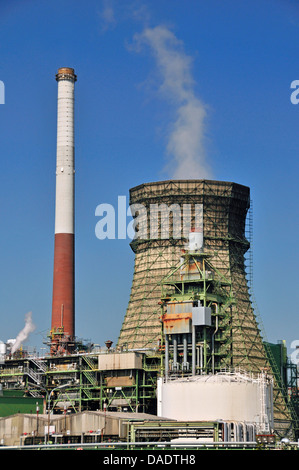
x=233 y=63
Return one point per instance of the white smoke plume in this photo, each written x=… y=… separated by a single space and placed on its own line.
x=107 y=16
x=24 y=333
x=185 y=144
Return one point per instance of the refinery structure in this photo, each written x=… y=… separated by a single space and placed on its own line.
x=191 y=362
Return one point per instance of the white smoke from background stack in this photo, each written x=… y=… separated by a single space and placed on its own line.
x=185 y=143
x=24 y=333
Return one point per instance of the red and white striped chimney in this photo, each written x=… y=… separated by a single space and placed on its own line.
x=63 y=308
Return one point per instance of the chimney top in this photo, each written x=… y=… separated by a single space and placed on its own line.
x=66 y=73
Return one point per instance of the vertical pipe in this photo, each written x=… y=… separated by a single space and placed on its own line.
x=205 y=348
x=63 y=278
x=193 y=350
x=175 y=350
x=166 y=356
x=213 y=341
x=225 y=433
x=137 y=391
x=185 y=348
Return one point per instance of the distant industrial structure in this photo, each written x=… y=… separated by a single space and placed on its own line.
x=190 y=362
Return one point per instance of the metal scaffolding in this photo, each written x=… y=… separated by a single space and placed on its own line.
x=196 y=306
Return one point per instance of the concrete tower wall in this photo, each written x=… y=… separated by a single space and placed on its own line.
x=225 y=207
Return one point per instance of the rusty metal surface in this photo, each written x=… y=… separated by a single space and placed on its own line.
x=177 y=323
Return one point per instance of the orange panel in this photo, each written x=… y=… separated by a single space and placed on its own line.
x=177 y=323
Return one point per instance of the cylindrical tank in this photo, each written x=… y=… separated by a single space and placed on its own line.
x=228 y=397
x=195 y=240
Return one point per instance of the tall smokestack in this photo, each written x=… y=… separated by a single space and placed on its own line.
x=63 y=318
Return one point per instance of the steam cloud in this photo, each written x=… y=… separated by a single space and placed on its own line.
x=24 y=333
x=186 y=136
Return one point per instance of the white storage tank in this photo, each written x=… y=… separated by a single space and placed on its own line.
x=224 y=396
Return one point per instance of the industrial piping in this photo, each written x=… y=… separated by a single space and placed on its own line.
x=63 y=318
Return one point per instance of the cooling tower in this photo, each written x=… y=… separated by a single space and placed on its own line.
x=225 y=206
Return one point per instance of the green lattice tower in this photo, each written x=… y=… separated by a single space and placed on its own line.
x=225 y=207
